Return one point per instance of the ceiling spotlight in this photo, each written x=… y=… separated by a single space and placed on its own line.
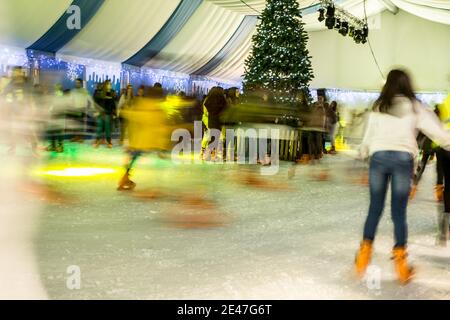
x=344 y=28
x=321 y=14
x=357 y=36
x=343 y=21
x=330 y=11
x=365 y=31
x=329 y=22
x=337 y=25
x=351 y=31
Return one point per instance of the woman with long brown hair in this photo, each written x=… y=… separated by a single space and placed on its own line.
x=390 y=141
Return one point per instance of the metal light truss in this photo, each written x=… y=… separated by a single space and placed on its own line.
x=343 y=15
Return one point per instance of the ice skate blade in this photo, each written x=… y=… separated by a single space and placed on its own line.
x=126 y=188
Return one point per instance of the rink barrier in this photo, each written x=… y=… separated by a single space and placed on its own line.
x=289 y=142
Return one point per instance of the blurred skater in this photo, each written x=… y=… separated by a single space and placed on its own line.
x=107 y=100
x=125 y=102
x=214 y=104
x=148 y=131
x=57 y=120
x=317 y=128
x=333 y=121
x=428 y=151
x=443 y=155
x=82 y=105
x=18 y=109
x=19 y=216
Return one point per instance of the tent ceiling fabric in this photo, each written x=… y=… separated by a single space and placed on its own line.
x=425 y=9
x=438 y=4
x=202 y=37
x=59 y=34
x=233 y=66
x=121 y=29
x=169 y=30
x=241 y=35
x=253 y=5
x=22 y=22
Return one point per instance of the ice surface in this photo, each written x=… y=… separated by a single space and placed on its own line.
x=297 y=243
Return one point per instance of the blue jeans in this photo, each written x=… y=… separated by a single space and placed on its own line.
x=395 y=168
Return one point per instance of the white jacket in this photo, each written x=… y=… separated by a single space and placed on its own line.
x=398 y=131
x=82 y=101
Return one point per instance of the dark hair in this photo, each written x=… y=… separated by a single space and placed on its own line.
x=129 y=86
x=104 y=90
x=436 y=110
x=79 y=79
x=155 y=93
x=398 y=82
x=232 y=95
x=333 y=105
x=157 y=85
x=215 y=101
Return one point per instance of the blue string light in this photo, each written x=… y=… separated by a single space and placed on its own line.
x=171 y=81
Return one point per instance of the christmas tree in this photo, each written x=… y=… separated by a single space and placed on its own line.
x=279 y=61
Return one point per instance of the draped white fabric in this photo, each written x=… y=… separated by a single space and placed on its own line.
x=22 y=22
x=355 y=7
x=438 y=4
x=424 y=11
x=202 y=37
x=253 y=5
x=233 y=67
x=239 y=6
x=120 y=28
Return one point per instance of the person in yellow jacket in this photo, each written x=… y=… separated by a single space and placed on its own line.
x=148 y=131
x=205 y=127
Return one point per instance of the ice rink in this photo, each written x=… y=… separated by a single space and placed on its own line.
x=218 y=231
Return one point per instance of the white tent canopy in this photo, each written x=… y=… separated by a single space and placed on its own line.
x=119 y=29
x=180 y=36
